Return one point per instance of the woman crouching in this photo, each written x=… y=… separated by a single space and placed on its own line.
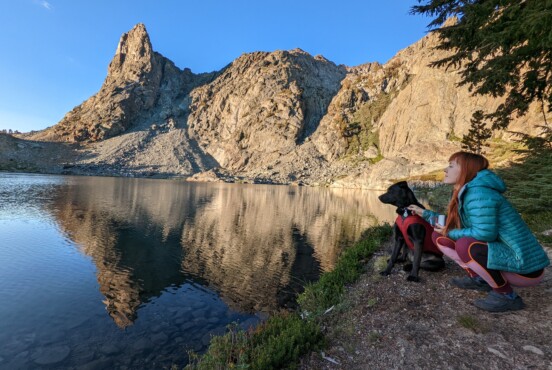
x=486 y=236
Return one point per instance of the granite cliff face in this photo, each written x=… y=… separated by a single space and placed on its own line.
x=279 y=117
x=262 y=107
x=433 y=109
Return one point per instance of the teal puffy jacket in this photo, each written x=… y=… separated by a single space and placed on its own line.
x=487 y=216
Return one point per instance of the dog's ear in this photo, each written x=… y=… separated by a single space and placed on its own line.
x=411 y=197
x=402 y=184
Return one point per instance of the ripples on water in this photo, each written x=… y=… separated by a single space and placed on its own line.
x=126 y=272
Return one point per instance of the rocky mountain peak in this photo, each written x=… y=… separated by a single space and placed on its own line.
x=135 y=40
x=138 y=84
x=134 y=55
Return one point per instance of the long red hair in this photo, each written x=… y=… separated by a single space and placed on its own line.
x=470 y=164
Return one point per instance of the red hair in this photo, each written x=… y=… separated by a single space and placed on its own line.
x=470 y=164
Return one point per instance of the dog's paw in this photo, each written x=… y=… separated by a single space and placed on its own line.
x=413 y=278
x=407 y=267
x=385 y=273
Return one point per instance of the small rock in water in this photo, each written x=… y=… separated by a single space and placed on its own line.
x=20 y=361
x=533 y=349
x=159 y=338
x=100 y=364
x=140 y=345
x=249 y=323
x=187 y=326
x=206 y=339
x=50 y=355
x=110 y=349
x=156 y=328
x=213 y=320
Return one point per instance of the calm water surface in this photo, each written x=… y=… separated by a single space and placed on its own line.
x=132 y=273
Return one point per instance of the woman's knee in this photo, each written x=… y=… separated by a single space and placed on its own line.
x=465 y=247
x=524 y=281
x=442 y=241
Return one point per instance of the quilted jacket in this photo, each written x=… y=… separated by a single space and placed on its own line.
x=487 y=216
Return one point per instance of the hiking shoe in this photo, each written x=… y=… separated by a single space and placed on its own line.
x=467 y=282
x=496 y=302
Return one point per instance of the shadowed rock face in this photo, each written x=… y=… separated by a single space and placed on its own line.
x=280 y=117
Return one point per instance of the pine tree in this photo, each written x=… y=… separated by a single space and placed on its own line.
x=503 y=46
x=478 y=134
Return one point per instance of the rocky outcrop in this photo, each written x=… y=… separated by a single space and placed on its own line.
x=431 y=113
x=135 y=124
x=277 y=98
x=137 y=79
x=273 y=117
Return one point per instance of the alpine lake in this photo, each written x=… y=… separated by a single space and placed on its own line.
x=99 y=272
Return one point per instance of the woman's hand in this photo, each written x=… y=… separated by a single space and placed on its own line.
x=417 y=210
x=440 y=229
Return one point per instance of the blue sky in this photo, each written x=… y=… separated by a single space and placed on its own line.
x=55 y=53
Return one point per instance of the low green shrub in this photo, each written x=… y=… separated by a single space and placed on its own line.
x=274 y=344
x=225 y=351
x=468 y=322
x=282 y=339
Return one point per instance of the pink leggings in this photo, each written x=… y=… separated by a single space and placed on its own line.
x=472 y=254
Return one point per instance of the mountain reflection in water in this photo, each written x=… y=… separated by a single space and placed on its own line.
x=255 y=245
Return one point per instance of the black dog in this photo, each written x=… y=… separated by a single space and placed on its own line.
x=426 y=255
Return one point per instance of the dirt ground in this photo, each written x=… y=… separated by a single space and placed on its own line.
x=390 y=323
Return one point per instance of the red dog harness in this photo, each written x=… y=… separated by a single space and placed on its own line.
x=404 y=222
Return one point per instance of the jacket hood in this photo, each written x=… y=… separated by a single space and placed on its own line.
x=487 y=179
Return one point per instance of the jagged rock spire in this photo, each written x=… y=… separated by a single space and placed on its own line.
x=134 y=55
x=131 y=88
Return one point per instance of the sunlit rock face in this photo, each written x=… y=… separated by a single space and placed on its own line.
x=432 y=109
x=254 y=245
x=262 y=106
x=136 y=78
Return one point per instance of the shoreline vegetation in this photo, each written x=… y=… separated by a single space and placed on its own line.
x=286 y=337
